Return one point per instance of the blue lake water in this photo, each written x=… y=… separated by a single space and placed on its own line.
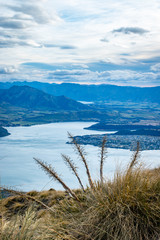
x=47 y=142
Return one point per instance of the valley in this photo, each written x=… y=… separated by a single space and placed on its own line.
x=132 y=120
x=23 y=105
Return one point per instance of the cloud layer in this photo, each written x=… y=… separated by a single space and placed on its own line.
x=123 y=33
x=82 y=74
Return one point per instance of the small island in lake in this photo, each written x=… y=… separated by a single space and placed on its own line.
x=3 y=132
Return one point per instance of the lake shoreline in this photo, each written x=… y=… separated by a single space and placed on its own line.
x=47 y=142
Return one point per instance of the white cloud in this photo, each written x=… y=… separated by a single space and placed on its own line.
x=156 y=67
x=35 y=11
x=79 y=32
x=131 y=75
x=4 y=69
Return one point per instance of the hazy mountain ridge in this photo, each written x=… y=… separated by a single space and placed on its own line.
x=34 y=99
x=101 y=92
x=25 y=105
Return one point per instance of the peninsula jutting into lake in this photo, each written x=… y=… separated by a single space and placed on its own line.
x=121 y=141
x=125 y=136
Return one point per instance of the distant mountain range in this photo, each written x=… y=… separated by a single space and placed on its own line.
x=34 y=99
x=22 y=104
x=25 y=105
x=91 y=93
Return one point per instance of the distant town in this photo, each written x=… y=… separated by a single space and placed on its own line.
x=122 y=142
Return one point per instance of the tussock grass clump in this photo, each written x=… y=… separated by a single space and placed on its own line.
x=14 y=204
x=128 y=207
x=19 y=203
x=23 y=227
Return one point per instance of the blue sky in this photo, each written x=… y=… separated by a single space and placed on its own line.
x=81 y=41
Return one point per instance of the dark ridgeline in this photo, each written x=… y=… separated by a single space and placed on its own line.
x=125 y=128
x=101 y=92
x=34 y=99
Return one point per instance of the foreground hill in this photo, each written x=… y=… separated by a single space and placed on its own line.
x=101 y=92
x=34 y=99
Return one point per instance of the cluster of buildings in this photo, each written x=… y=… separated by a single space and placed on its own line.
x=122 y=141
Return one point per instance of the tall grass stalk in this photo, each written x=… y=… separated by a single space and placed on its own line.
x=82 y=156
x=135 y=157
x=103 y=157
x=52 y=173
x=72 y=166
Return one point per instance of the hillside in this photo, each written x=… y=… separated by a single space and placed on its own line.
x=34 y=99
x=101 y=92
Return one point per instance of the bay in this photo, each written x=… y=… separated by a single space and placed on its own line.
x=47 y=142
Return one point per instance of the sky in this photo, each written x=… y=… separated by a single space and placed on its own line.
x=81 y=41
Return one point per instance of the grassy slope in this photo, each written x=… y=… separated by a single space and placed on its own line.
x=126 y=208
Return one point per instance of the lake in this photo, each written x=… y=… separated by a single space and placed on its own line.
x=47 y=142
